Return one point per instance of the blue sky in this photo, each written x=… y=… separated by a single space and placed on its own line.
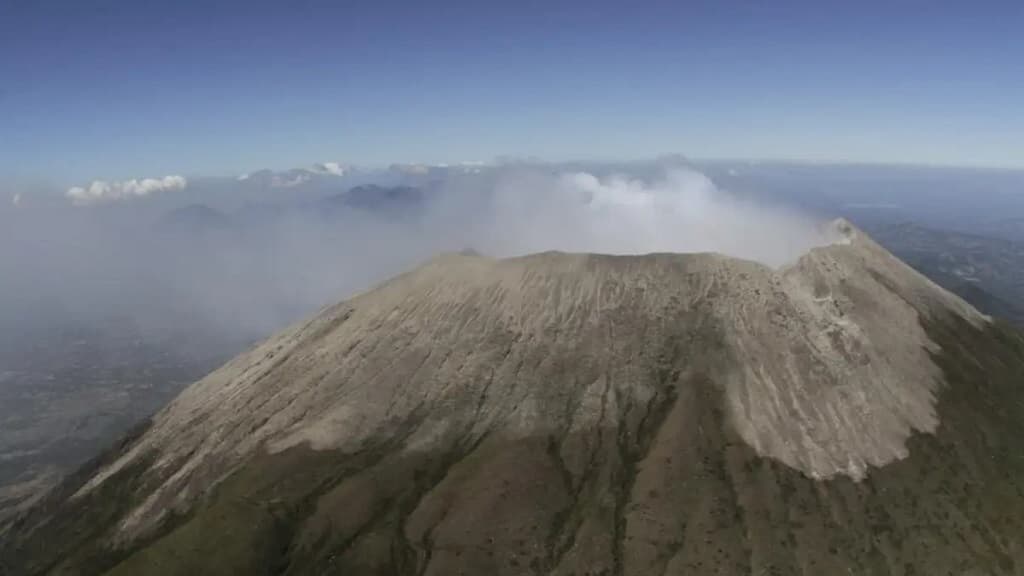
x=119 y=89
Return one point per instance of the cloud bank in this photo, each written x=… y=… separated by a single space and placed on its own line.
x=183 y=266
x=100 y=191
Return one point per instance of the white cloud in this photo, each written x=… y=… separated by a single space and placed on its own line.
x=102 y=191
x=332 y=168
x=16 y=200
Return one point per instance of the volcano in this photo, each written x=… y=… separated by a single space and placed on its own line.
x=579 y=414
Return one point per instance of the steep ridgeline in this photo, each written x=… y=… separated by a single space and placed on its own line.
x=578 y=414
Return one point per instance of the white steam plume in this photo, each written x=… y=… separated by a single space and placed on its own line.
x=681 y=212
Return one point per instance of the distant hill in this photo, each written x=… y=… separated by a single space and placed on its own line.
x=391 y=200
x=195 y=218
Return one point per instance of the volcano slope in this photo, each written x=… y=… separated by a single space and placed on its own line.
x=580 y=414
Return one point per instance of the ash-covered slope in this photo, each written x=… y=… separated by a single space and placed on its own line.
x=581 y=414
